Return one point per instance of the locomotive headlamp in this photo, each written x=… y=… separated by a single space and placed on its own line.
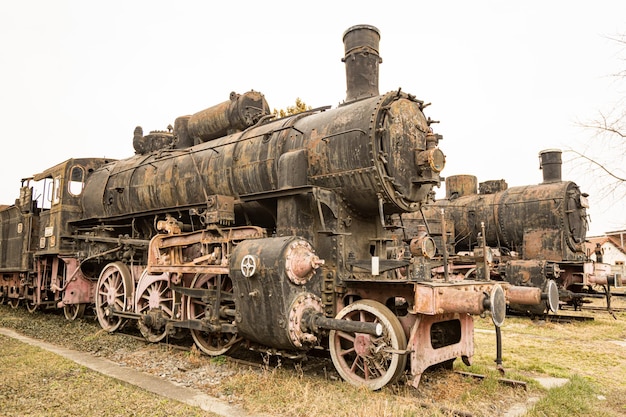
x=433 y=158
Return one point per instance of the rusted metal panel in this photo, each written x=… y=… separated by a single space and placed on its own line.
x=459 y=328
x=461 y=186
x=459 y=297
x=16 y=234
x=529 y=272
x=76 y=287
x=270 y=304
x=543 y=244
x=11 y=285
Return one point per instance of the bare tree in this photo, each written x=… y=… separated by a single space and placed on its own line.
x=605 y=152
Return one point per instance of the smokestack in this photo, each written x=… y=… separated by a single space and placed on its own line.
x=550 y=163
x=361 y=58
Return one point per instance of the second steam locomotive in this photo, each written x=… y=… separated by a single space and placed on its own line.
x=272 y=234
x=530 y=235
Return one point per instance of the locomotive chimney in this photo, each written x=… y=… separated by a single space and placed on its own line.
x=362 y=60
x=550 y=164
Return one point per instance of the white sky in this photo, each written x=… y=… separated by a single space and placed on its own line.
x=506 y=79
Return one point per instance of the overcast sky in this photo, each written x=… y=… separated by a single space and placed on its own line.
x=506 y=79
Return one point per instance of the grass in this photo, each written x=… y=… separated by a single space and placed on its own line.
x=34 y=382
x=578 y=397
x=582 y=352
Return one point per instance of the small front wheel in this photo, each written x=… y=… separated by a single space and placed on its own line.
x=366 y=360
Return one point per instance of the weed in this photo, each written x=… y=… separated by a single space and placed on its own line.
x=219 y=360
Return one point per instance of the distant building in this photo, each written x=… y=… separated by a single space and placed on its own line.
x=609 y=249
x=618 y=238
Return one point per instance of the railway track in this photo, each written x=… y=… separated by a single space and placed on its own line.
x=579 y=313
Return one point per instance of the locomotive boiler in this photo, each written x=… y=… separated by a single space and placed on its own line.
x=527 y=235
x=274 y=234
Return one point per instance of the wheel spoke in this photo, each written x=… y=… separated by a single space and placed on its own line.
x=345 y=336
x=366 y=370
x=355 y=364
x=119 y=303
x=142 y=309
x=168 y=310
x=345 y=352
x=163 y=293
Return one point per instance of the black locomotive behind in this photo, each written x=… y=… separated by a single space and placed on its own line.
x=528 y=235
x=272 y=234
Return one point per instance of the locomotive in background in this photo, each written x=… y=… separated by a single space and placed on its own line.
x=274 y=234
x=527 y=235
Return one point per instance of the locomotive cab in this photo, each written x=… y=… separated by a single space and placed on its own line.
x=31 y=232
x=57 y=192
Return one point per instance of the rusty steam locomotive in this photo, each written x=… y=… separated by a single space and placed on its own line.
x=528 y=235
x=244 y=229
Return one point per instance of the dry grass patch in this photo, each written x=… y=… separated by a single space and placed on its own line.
x=583 y=352
x=288 y=391
x=34 y=382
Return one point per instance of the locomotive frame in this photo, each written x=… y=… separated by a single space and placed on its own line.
x=272 y=234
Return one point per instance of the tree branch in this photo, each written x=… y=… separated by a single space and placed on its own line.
x=597 y=164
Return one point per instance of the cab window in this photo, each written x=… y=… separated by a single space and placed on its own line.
x=42 y=193
x=77 y=180
x=56 y=191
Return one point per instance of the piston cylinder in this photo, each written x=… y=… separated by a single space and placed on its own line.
x=274 y=281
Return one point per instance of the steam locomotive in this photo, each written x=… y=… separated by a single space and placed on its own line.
x=269 y=233
x=527 y=236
